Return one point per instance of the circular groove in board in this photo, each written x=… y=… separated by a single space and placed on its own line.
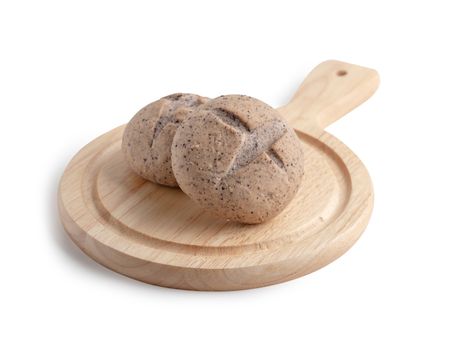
x=180 y=225
x=158 y=235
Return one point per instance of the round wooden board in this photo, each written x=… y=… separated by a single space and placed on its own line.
x=156 y=234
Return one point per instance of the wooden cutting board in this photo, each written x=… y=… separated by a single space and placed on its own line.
x=158 y=235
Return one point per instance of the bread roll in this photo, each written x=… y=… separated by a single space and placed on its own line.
x=237 y=157
x=147 y=139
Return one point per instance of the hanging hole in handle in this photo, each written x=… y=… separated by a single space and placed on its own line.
x=342 y=73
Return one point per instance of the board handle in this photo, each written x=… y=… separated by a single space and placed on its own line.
x=330 y=91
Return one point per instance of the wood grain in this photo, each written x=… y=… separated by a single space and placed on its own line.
x=156 y=234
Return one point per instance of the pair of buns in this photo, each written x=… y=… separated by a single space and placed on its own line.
x=234 y=155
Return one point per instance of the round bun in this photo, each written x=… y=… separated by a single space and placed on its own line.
x=147 y=138
x=238 y=158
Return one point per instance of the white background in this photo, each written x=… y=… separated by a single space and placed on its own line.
x=71 y=71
